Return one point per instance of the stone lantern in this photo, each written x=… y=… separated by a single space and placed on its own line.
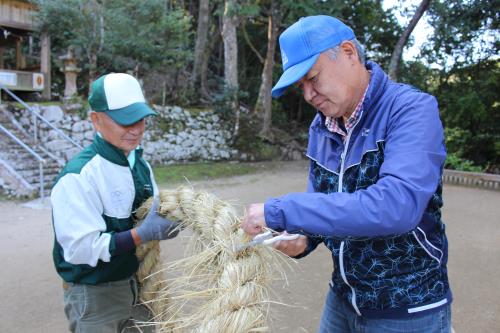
x=70 y=71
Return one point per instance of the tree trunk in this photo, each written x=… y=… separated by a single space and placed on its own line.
x=45 y=66
x=201 y=42
x=264 y=101
x=398 y=49
x=229 y=23
x=204 y=66
x=95 y=47
x=92 y=68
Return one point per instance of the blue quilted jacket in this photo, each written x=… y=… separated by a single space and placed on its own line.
x=374 y=200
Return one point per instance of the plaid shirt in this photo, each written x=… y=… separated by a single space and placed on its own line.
x=336 y=125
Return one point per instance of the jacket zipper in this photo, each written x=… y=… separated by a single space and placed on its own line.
x=341 y=252
x=342 y=272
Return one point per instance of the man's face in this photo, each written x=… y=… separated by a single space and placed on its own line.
x=331 y=86
x=126 y=138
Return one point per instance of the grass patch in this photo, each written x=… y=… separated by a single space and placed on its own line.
x=18 y=105
x=4 y=197
x=177 y=173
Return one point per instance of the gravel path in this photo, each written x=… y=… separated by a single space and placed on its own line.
x=32 y=295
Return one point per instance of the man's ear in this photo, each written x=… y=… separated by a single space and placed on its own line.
x=349 y=49
x=96 y=121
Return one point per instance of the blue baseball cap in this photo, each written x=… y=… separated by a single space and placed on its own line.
x=302 y=43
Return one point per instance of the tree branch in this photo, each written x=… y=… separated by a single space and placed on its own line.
x=398 y=49
x=247 y=39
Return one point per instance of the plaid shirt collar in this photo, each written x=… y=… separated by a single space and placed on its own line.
x=336 y=125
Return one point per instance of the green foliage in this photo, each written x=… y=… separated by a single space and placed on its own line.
x=144 y=37
x=249 y=142
x=224 y=102
x=178 y=173
x=454 y=162
x=471 y=112
x=75 y=23
x=419 y=75
x=457 y=144
x=145 y=33
x=258 y=149
x=264 y=151
x=465 y=32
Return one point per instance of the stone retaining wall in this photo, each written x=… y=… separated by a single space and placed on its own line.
x=176 y=135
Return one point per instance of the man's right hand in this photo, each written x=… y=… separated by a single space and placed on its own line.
x=155 y=227
x=292 y=248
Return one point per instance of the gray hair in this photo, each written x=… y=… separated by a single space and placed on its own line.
x=334 y=51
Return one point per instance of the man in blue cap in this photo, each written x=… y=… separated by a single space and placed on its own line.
x=93 y=204
x=376 y=151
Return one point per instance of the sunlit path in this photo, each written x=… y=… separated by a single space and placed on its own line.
x=472 y=216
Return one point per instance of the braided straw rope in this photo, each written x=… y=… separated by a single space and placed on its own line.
x=219 y=288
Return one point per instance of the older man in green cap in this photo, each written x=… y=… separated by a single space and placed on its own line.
x=93 y=201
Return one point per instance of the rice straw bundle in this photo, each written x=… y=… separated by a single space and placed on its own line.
x=219 y=289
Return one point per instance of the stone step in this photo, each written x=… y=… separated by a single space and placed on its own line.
x=20 y=156
x=35 y=179
x=47 y=187
x=7 y=140
x=17 y=150
x=25 y=168
x=11 y=145
x=11 y=127
x=28 y=162
x=21 y=160
x=34 y=171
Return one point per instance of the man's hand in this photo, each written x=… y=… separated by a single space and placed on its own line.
x=156 y=227
x=292 y=248
x=254 y=220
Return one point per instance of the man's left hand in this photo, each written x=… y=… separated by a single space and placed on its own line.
x=156 y=227
x=254 y=220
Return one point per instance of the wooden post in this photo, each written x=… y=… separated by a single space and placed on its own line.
x=45 y=65
x=19 y=56
x=1 y=57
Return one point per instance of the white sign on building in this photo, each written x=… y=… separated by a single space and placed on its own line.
x=8 y=79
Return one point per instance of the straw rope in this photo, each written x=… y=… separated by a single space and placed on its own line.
x=219 y=288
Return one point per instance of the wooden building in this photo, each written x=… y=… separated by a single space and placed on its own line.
x=20 y=68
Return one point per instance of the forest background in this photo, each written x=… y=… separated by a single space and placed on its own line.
x=224 y=55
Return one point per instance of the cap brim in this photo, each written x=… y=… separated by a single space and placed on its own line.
x=293 y=74
x=130 y=114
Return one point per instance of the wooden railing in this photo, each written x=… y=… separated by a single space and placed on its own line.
x=476 y=179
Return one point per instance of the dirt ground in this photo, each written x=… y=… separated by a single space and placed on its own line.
x=32 y=295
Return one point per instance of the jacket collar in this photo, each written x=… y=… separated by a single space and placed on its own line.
x=378 y=80
x=112 y=153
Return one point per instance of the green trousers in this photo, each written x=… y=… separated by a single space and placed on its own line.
x=110 y=307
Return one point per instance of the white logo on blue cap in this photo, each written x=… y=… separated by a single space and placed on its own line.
x=284 y=58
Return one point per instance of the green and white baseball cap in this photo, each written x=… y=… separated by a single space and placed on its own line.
x=120 y=96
